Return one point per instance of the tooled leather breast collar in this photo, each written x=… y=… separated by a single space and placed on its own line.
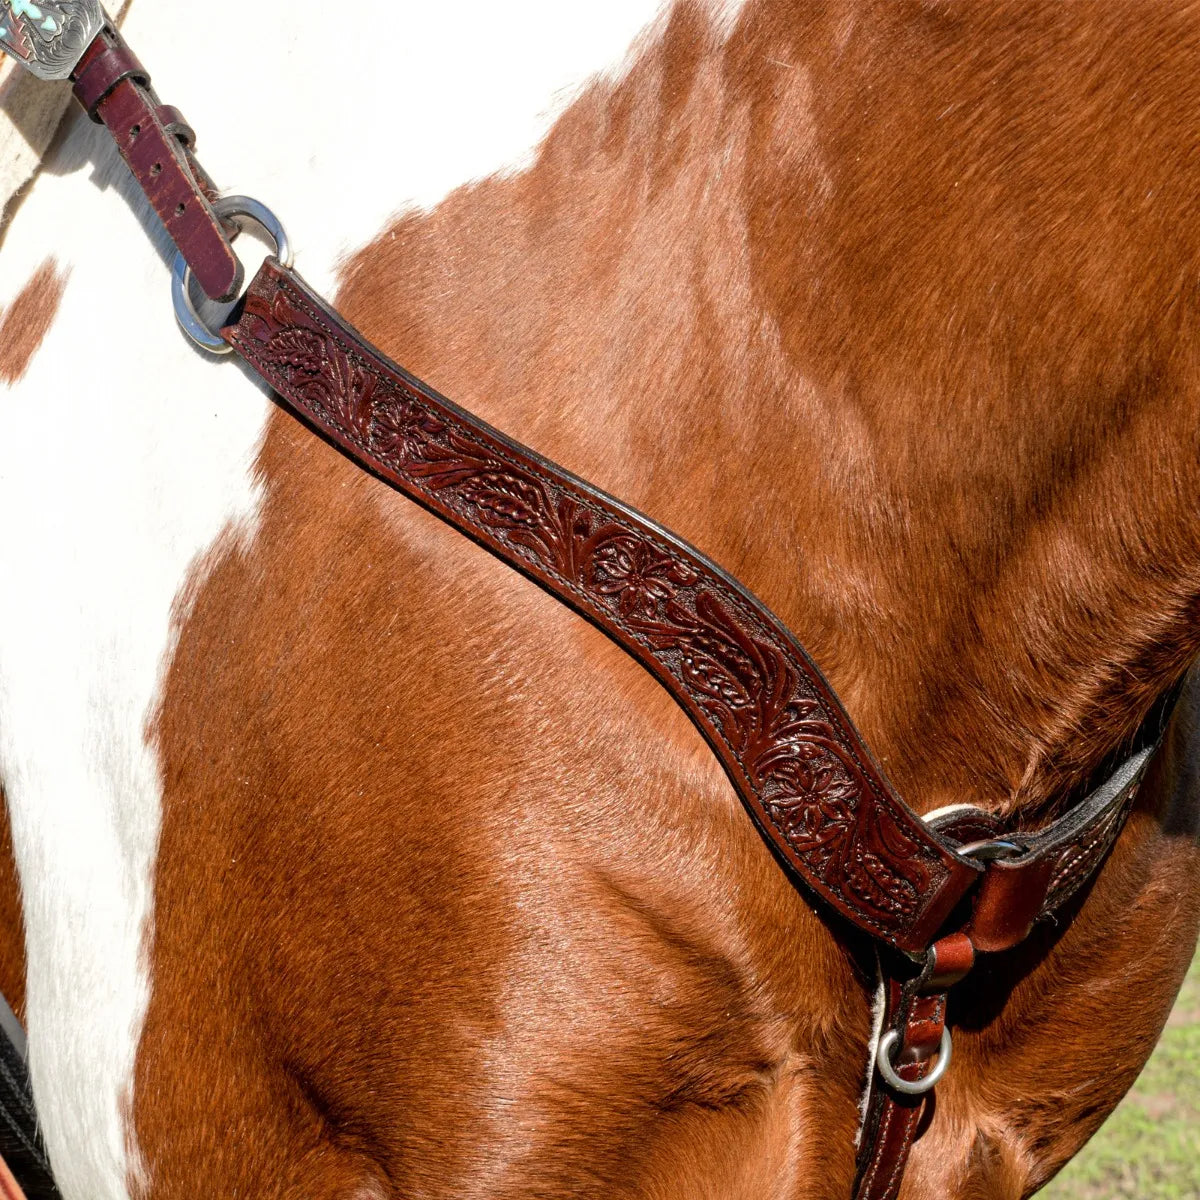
x=930 y=893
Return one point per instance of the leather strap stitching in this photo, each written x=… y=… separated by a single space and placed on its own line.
x=245 y=348
x=538 y=567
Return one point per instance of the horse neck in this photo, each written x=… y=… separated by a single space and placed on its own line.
x=878 y=337
x=1013 y=331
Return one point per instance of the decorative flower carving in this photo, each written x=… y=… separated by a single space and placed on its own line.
x=297 y=350
x=399 y=429
x=505 y=499
x=637 y=574
x=738 y=675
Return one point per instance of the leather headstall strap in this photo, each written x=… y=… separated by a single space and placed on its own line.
x=932 y=894
x=156 y=143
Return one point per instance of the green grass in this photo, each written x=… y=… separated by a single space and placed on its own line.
x=1149 y=1149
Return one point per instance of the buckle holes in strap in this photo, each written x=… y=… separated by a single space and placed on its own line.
x=228 y=207
x=911 y=1087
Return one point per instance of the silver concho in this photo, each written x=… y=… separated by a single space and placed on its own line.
x=49 y=36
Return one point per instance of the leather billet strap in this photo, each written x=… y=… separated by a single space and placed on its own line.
x=156 y=143
x=915 y=1011
x=796 y=760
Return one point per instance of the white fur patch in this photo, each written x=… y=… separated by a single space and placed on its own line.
x=878 y=1012
x=124 y=453
x=725 y=14
x=121 y=459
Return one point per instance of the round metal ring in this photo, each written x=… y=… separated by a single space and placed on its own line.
x=918 y=1087
x=181 y=273
x=990 y=850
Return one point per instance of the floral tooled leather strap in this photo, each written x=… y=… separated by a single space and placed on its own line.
x=784 y=739
x=788 y=746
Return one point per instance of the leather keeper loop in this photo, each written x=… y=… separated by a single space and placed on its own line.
x=923 y=1029
x=173 y=122
x=106 y=62
x=950 y=960
x=1009 y=901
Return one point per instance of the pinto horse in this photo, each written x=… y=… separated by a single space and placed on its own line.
x=350 y=863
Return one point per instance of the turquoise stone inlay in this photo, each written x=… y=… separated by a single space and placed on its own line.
x=23 y=8
x=49 y=36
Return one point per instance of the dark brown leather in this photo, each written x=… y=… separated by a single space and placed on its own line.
x=1049 y=865
x=114 y=88
x=792 y=753
x=787 y=744
x=916 y=1010
x=894 y=1121
x=106 y=63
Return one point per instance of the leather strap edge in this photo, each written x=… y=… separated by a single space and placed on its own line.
x=790 y=750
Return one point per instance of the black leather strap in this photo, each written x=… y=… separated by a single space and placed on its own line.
x=20 y=1143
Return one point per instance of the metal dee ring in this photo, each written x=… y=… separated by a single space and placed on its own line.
x=991 y=850
x=911 y=1087
x=181 y=273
